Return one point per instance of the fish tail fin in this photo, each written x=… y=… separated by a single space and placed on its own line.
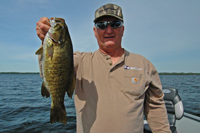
x=70 y=91
x=44 y=91
x=58 y=114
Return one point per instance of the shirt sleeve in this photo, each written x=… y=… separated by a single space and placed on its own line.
x=77 y=57
x=154 y=106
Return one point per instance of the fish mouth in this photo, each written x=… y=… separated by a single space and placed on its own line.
x=55 y=41
x=58 y=19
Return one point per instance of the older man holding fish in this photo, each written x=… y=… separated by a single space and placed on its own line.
x=114 y=88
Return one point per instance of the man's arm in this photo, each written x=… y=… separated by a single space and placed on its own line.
x=155 y=110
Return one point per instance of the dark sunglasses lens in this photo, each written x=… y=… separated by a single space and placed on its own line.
x=101 y=25
x=115 y=24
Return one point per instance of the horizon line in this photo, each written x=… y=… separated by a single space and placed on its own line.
x=178 y=73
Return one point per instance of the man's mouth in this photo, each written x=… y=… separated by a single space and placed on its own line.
x=109 y=37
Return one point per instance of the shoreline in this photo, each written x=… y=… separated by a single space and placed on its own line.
x=178 y=73
x=160 y=73
x=19 y=73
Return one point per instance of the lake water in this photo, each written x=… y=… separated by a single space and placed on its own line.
x=23 y=109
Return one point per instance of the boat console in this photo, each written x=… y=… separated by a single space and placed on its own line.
x=174 y=106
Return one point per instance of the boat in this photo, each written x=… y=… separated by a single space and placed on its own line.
x=188 y=124
x=180 y=121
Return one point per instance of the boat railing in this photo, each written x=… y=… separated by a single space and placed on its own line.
x=193 y=117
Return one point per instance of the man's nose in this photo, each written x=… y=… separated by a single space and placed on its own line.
x=109 y=30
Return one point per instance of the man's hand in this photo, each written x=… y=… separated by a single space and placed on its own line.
x=42 y=27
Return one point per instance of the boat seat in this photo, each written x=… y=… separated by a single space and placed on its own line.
x=174 y=106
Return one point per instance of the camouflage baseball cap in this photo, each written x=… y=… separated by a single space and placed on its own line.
x=109 y=10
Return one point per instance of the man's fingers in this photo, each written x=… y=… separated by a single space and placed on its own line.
x=44 y=24
x=45 y=21
x=40 y=34
x=42 y=27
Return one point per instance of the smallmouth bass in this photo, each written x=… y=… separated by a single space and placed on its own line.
x=57 y=68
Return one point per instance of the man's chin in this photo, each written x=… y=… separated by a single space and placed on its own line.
x=110 y=43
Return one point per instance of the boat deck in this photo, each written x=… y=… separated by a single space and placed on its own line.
x=188 y=124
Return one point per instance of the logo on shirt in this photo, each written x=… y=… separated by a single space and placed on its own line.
x=132 y=68
x=134 y=80
x=126 y=67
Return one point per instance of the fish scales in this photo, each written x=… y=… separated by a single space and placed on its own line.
x=57 y=67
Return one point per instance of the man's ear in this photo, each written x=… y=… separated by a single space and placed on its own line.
x=95 y=31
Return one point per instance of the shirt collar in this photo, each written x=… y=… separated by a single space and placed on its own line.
x=105 y=56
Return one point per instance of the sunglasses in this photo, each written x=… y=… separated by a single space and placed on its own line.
x=104 y=24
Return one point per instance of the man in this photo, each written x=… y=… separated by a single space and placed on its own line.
x=113 y=86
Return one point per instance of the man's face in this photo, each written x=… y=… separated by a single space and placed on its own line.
x=109 y=38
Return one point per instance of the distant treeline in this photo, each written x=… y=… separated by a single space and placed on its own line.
x=175 y=73
x=19 y=72
x=161 y=73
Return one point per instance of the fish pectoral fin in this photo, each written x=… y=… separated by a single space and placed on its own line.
x=44 y=91
x=39 y=51
x=70 y=90
x=58 y=114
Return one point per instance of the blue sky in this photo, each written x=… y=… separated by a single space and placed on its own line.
x=167 y=32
